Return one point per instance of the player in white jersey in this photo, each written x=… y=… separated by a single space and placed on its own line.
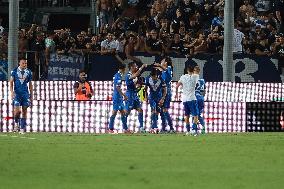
x=188 y=83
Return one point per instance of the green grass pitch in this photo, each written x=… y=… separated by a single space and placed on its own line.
x=73 y=161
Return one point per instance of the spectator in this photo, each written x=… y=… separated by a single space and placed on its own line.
x=279 y=7
x=215 y=43
x=238 y=40
x=199 y=45
x=246 y=9
x=262 y=47
x=109 y=45
x=153 y=44
x=263 y=5
x=132 y=45
x=83 y=89
x=218 y=20
x=104 y=8
x=279 y=50
x=176 y=47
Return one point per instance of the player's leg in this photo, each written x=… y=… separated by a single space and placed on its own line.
x=111 y=120
x=123 y=114
x=194 y=112
x=138 y=107
x=154 y=114
x=23 y=122
x=186 y=114
x=166 y=112
x=17 y=118
x=16 y=112
x=200 y=110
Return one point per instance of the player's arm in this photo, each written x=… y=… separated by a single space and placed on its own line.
x=160 y=66
x=77 y=87
x=12 y=87
x=136 y=74
x=179 y=83
x=118 y=88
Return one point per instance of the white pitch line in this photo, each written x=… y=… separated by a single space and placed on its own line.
x=14 y=136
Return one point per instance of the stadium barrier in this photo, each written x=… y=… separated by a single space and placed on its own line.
x=248 y=68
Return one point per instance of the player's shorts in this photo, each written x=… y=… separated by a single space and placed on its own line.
x=22 y=100
x=131 y=104
x=200 y=103
x=118 y=105
x=190 y=108
x=154 y=104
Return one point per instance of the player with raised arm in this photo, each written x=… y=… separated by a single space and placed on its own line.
x=166 y=66
x=117 y=99
x=200 y=93
x=188 y=83
x=157 y=96
x=133 y=101
x=21 y=94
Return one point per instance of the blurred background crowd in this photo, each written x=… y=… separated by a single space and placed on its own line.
x=160 y=27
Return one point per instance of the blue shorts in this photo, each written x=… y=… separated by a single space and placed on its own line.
x=191 y=108
x=154 y=104
x=200 y=104
x=131 y=104
x=22 y=100
x=118 y=105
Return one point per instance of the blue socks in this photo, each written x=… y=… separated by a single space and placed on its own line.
x=23 y=123
x=187 y=127
x=194 y=127
x=154 y=118
x=201 y=121
x=164 y=122
x=140 y=119
x=124 y=122
x=111 y=122
x=169 y=119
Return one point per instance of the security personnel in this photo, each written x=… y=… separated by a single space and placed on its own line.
x=82 y=88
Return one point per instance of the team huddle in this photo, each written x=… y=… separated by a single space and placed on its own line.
x=158 y=83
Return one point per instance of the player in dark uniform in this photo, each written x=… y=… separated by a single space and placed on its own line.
x=157 y=96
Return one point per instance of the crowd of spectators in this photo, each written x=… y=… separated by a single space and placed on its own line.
x=159 y=27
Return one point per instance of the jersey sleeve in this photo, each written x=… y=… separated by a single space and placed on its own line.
x=117 y=81
x=181 y=80
x=13 y=74
x=195 y=78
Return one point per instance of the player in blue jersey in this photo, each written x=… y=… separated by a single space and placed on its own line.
x=21 y=92
x=117 y=99
x=133 y=101
x=166 y=67
x=200 y=93
x=157 y=96
x=188 y=83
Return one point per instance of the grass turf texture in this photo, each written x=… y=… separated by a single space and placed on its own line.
x=63 y=161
